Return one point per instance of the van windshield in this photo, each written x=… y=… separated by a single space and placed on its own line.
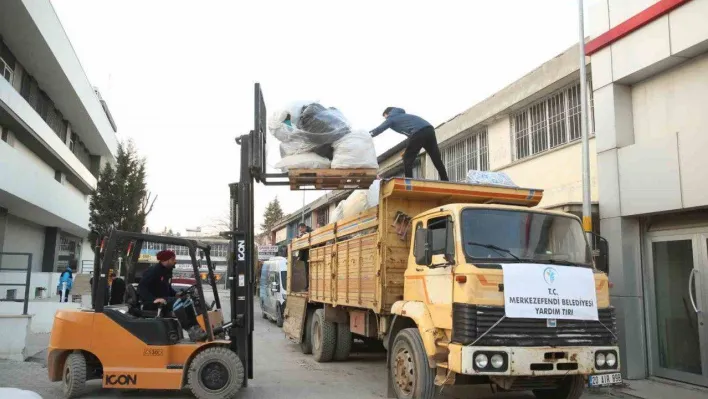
x=518 y=236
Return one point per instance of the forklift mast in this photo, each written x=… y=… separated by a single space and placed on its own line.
x=243 y=254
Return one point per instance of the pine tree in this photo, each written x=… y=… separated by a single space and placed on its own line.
x=272 y=215
x=121 y=200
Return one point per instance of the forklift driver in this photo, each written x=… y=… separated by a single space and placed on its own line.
x=155 y=286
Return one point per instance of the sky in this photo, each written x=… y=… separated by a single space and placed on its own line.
x=178 y=76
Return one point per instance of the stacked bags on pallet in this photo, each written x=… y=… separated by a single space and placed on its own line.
x=314 y=137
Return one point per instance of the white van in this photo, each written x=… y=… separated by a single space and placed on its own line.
x=273 y=289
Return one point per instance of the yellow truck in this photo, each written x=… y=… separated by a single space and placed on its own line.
x=463 y=284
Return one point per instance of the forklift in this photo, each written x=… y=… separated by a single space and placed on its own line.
x=128 y=347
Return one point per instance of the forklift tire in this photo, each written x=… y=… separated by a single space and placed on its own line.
x=572 y=387
x=74 y=378
x=324 y=337
x=215 y=373
x=278 y=316
x=344 y=343
x=306 y=344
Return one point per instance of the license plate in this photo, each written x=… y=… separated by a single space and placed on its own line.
x=605 y=379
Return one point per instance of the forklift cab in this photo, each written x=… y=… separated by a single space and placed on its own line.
x=207 y=312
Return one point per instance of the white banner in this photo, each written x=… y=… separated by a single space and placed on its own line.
x=540 y=291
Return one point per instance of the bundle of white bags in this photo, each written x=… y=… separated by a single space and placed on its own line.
x=358 y=202
x=314 y=137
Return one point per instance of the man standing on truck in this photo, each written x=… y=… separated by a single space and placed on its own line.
x=420 y=133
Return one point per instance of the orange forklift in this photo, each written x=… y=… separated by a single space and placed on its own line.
x=128 y=347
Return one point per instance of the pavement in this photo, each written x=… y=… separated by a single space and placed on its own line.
x=280 y=371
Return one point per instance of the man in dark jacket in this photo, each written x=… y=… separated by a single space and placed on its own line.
x=304 y=254
x=155 y=285
x=420 y=133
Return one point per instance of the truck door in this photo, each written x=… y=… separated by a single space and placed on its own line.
x=432 y=284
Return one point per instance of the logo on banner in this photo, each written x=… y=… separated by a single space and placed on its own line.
x=550 y=275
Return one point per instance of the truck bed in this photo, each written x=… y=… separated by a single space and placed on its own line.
x=360 y=261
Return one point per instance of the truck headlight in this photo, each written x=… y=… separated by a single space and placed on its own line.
x=610 y=359
x=497 y=361
x=600 y=359
x=481 y=360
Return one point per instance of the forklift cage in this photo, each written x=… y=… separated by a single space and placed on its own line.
x=107 y=251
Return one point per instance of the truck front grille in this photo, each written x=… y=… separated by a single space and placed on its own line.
x=471 y=321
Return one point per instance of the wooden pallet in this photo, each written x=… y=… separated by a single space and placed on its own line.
x=331 y=179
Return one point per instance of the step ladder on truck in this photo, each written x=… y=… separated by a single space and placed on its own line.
x=463 y=284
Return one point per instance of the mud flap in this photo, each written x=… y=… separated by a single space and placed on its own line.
x=295 y=315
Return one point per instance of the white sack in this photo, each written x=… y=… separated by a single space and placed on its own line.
x=372 y=195
x=354 y=150
x=338 y=212
x=303 y=161
x=354 y=204
x=489 y=178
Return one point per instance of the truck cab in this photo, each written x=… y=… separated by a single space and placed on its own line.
x=501 y=294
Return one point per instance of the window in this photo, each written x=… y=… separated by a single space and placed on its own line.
x=549 y=123
x=4 y=133
x=438 y=227
x=470 y=153
x=6 y=70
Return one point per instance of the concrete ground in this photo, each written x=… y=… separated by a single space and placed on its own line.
x=281 y=371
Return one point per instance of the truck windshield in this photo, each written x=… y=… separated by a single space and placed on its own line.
x=518 y=236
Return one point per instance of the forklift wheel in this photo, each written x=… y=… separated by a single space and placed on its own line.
x=74 y=379
x=216 y=373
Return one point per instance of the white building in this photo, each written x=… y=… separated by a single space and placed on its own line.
x=650 y=81
x=56 y=133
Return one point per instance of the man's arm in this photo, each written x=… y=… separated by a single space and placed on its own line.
x=144 y=285
x=382 y=128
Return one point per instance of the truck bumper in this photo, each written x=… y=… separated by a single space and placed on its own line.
x=532 y=361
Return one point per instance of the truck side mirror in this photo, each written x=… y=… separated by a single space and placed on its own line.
x=421 y=247
x=275 y=287
x=601 y=254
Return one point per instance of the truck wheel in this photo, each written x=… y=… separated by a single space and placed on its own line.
x=74 y=380
x=572 y=387
x=344 y=343
x=324 y=337
x=215 y=373
x=409 y=371
x=306 y=344
x=279 y=316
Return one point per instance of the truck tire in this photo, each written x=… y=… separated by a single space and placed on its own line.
x=215 y=373
x=344 y=343
x=278 y=316
x=306 y=344
x=324 y=337
x=74 y=378
x=409 y=372
x=572 y=387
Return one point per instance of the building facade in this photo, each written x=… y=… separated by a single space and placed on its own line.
x=56 y=134
x=650 y=82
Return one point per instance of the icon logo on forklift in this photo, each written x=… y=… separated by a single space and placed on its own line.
x=121 y=379
x=241 y=250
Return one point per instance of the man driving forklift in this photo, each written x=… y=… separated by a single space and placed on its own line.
x=155 y=290
x=155 y=286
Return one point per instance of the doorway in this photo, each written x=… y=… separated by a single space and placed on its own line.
x=677 y=301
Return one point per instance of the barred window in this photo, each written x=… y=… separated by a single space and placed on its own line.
x=551 y=122
x=469 y=153
x=5 y=70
